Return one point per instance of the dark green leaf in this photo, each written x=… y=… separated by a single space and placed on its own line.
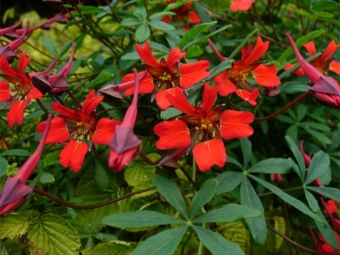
x=271 y=166
x=203 y=196
x=321 y=137
x=301 y=112
x=139 y=219
x=319 y=126
x=3 y=166
x=215 y=243
x=228 y=181
x=101 y=176
x=318 y=166
x=332 y=193
x=298 y=156
x=103 y=77
x=130 y=22
x=325 y=5
x=161 y=25
x=161 y=14
x=171 y=193
x=226 y=64
x=246 y=151
x=162 y=243
x=142 y=33
x=50 y=46
x=16 y=152
x=240 y=46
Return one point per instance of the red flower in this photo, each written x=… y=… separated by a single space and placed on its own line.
x=235 y=78
x=168 y=74
x=325 y=247
x=183 y=14
x=83 y=131
x=20 y=92
x=202 y=128
x=242 y=5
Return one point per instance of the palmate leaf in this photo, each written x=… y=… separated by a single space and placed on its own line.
x=246 y=151
x=171 y=193
x=318 y=166
x=215 y=243
x=271 y=166
x=13 y=225
x=298 y=156
x=51 y=234
x=332 y=193
x=139 y=219
x=228 y=181
x=162 y=243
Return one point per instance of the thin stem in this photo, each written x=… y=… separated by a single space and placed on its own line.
x=88 y=207
x=73 y=98
x=186 y=241
x=42 y=106
x=296 y=100
x=194 y=170
x=188 y=176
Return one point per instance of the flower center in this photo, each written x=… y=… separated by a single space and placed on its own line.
x=83 y=132
x=165 y=77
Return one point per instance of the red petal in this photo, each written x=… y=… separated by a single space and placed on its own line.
x=16 y=113
x=235 y=124
x=209 y=153
x=298 y=72
x=172 y=134
x=5 y=92
x=104 y=131
x=226 y=87
x=146 y=55
x=58 y=132
x=209 y=96
x=145 y=86
x=63 y=110
x=310 y=47
x=73 y=155
x=266 y=75
x=192 y=73
x=176 y=98
x=335 y=67
x=247 y=96
x=5 y=67
x=23 y=62
x=259 y=49
x=194 y=18
x=242 y=5
x=91 y=102
x=174 y=56
x=34 y=94
x=328 y=52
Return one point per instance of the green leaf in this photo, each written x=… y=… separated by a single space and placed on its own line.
x=257 y=226
x=51 y=234
x=224 y=65
x=162 y=243
x=301 y=112
x=13 y=225
x=293 y=88
x=302 y=40
x=171 y=193
x=139 y=219
x=46 y=178
x=325 y=5
x=50 y=46
x=271 y=166
x=332 y=193
x=288 y=199
x=142 y=33
x=3 y=250
x=325 y=229
x=246 y=151
x=298 y=156
x=3 y=166
x=321 y=137
x=215 y=243
x=302 y=12
x=161 y=25
x=161 y=14
x=228 y=181
x=228 y=213
x=279 y=225
x=193 y=33
x=203 y=196
x=16 y=152
x=130 y=22
x=103 y=77
x=112 y=248
x=240 y=46
x=318 y=126
x=318 y=166
x=101 y=176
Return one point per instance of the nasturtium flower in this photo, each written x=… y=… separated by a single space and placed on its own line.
x=202 y=128
x=169 y=74
x=234 y=80
x=80 y=129
x=184 y=13
x=241 y=5
x=18 y=90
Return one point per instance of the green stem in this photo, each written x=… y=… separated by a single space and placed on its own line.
x=194 y=170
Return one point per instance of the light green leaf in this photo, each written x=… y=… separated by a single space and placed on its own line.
x=271 y=166
x=298 y=156
x=130 y=22
x=215 y=243
x=332 y=193
x=51 y=234
x=246 y=151
x=139 y=219
x=228 y=181
x=103 y=77
x=45 y=178
x=257 y=226
x=16 y=152
x=112 y=248
x=161 y=14
x=193 y=33
x=50 y=46
x=162 y=243
x=13 y=225
x=142 y=33
x=203 y=196
x=228 y=213
x=288 y=198
x=161 y=25
x=318 y=166
x=171 y=193
x=279 y=225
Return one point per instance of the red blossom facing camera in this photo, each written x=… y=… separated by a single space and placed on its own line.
x=202 y=128
x=241 y=5
x=83 y=130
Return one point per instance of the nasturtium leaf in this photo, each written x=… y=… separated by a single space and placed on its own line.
x=161 y=243
x=318 y=166
x=13 y=225
x=171 y=193
x=228 y=181
x=142 y=32
x=215 y=243
x=228 y=213
x=203 y=196
x=246 y=151
x=16 y=152
x=320 y=136
x=318 y=126
x=332 y=193
x=50 y=46
x=298 y=157
x=130 y=22
x=156 y=24
x=288 y=198
x=51 y=234
x=256 y=226
x=271 y=166
x=111 y=248
x=103 y=77
x=194 y=32
x=139 y=219
x=301 y=112
x=324 y=228
x=100 y=176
